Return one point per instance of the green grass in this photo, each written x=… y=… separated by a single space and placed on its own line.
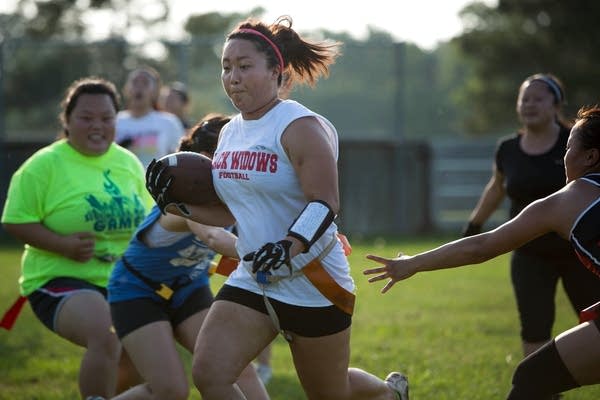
x=454 y=332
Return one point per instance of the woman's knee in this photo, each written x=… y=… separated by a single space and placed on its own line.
x=208 y=373
x=106 y=342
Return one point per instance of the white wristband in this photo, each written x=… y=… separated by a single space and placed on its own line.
x=312 y=222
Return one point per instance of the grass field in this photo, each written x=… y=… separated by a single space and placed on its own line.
x=454 y=332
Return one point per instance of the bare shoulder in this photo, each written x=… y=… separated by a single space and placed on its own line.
x=580 y=192
x=567 y=204
x=306 y=134
x=303 y=129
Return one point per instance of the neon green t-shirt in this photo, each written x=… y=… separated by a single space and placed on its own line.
x=69 y=192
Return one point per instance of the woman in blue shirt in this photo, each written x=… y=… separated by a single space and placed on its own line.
x=159 y=291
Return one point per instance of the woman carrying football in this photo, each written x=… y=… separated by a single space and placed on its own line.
x=294 y=278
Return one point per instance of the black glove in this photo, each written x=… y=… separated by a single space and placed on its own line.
x=471 y=229
x=153 y=173
x=271 y=257
x=158 y=183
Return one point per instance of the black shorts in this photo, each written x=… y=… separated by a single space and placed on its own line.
x=47 y=300
x=130 y=315
x=303 y=321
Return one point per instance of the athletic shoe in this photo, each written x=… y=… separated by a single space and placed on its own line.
x=398 y=382
x=264 y=373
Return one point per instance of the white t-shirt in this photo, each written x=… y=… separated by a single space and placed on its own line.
x=254 y=177
x=151 y=136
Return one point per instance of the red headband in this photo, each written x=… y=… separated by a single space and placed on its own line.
x=273 y=45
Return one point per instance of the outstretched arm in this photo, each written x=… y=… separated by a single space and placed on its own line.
x=535 y=220
x=471 y=250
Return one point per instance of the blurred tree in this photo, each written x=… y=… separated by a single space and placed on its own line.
x=452 y=73
x=214 y=23
x=377 y=89
x=391 y=89
x=209 y=29
x=196 y=60
x=358 y=95
x=507 y=43
x=10 y=25
x=66 y=19
x=47 y=44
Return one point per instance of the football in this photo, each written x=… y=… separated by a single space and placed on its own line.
x=192 y=178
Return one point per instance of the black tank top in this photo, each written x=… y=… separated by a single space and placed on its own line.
x=531 y=177
x=585 y=235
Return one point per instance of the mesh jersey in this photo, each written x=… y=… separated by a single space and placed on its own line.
x=585 y=235
x=254 y=177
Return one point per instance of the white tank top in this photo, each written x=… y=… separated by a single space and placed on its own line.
x=254 y=177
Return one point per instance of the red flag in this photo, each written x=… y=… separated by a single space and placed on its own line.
x=10 y=316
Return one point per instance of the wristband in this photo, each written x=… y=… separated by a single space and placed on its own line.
x=312 y=222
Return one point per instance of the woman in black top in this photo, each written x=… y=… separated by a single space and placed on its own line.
x=572 y=359
x=529 y=166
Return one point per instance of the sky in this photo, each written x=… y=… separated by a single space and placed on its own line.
x=423 y=22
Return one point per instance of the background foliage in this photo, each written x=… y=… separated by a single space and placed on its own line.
x=517 y=38
x=379 y=88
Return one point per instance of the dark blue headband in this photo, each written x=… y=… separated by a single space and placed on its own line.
x=551 y=84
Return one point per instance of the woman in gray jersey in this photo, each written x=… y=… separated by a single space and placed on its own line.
x=572 y=359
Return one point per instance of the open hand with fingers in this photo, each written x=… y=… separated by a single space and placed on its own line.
x=395 y=269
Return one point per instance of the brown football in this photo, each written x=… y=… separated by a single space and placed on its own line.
x=192 y=178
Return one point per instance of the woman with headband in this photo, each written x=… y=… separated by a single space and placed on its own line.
x=529 y=166
x=275 y=169
x=572 y=358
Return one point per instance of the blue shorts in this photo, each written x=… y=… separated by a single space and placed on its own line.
x=47 y=300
